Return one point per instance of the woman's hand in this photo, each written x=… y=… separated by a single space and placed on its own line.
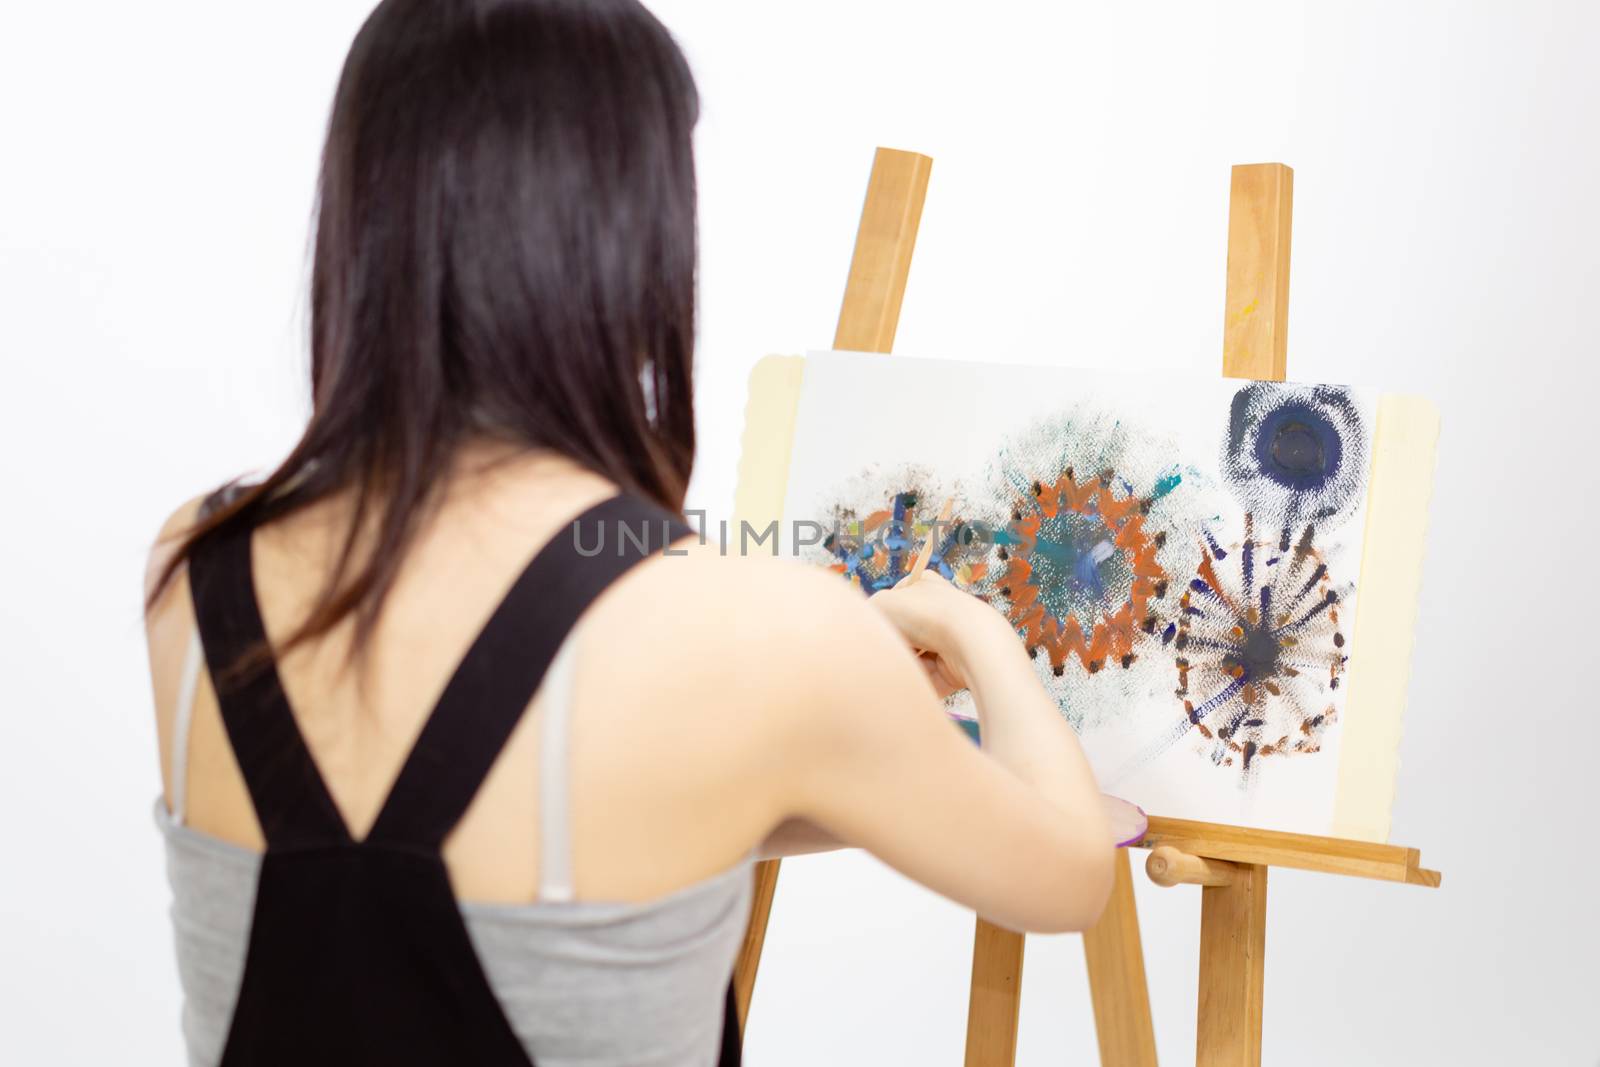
x=941 y=623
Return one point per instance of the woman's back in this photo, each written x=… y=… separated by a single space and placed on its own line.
x=611 y=978
x=657 y=740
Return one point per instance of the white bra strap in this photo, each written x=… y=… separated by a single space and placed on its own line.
x=188 y=683
x=555 y=821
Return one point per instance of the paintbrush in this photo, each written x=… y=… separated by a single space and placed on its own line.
x=925 y=555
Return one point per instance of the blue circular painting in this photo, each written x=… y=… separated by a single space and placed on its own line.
x=1295 y=454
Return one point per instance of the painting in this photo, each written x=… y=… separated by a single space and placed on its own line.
x=1180 y=556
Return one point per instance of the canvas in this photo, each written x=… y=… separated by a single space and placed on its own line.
x=1181 y=557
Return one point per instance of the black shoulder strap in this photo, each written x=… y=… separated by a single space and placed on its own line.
x=291 y=800
x=732 y=1039
x=491 y=688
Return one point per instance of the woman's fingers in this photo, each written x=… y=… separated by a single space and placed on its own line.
x=946 y=680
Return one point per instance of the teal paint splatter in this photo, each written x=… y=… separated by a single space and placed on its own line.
x=1166 y=484
x=1075 y=567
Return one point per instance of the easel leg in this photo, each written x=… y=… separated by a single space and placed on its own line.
x=996 y=997
x=1233 y=943
x=1116 y=978
x=885 y=239
x=755 y=935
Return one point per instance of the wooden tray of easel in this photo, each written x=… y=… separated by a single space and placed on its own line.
x=1229 y=863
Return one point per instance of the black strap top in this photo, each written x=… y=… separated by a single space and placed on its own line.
x=358 y=952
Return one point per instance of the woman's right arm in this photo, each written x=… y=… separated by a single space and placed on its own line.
x=1015 y=831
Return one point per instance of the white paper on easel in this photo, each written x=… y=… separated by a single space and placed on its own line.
x=1180 y=555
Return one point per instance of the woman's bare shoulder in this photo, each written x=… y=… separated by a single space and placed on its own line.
x=754 y=601
x=168 y=622
x=165 y=544
x=738 y=674
x=747 y=631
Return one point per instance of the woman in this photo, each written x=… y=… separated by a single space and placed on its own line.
x=427 y=801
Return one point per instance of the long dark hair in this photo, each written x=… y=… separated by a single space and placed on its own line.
x=505 y=248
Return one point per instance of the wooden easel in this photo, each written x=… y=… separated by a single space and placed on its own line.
x=1230 y=863
x=885 y=239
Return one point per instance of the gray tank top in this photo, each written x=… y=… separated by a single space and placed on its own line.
x=583 y=984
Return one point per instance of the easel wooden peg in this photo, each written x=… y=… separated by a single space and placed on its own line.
x=1169 y=867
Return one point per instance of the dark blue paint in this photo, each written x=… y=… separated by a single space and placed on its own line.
x=1298 y=447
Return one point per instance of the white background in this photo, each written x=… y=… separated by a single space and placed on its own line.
x=156 y=169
